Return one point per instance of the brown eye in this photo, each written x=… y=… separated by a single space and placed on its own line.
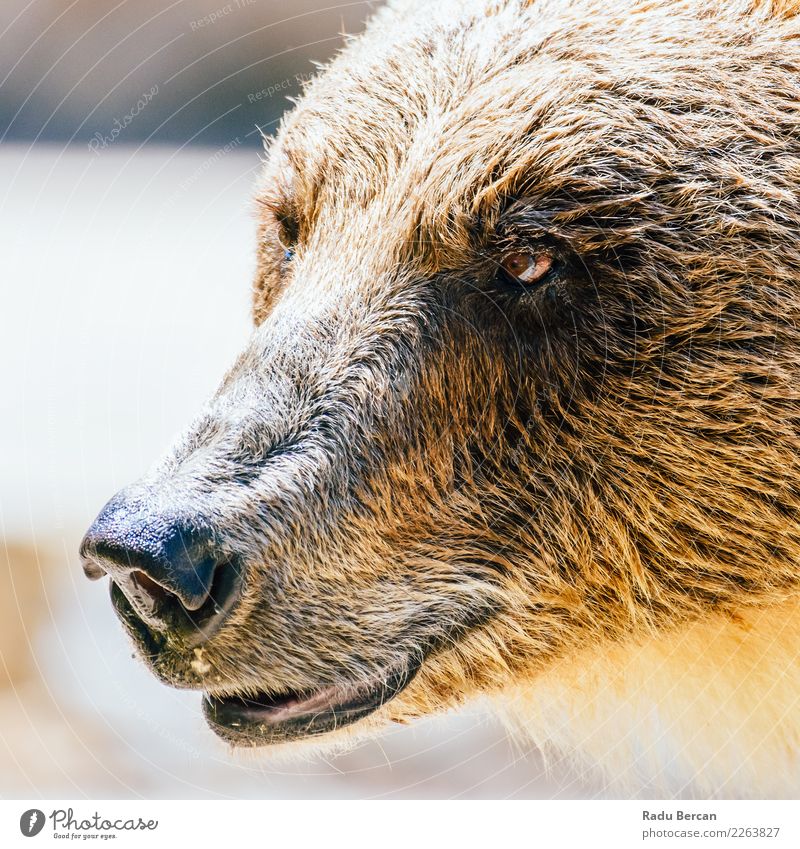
x=527 y=268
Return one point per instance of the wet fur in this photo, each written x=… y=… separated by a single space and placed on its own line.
x=581 y=501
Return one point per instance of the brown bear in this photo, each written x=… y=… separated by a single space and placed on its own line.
x=520 y=415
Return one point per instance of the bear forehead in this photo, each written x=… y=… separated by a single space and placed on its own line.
x=430 y=109
x=445 y=110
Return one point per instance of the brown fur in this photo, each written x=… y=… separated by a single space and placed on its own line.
x=526 y=489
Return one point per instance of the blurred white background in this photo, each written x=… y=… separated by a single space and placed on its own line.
x=126 y=275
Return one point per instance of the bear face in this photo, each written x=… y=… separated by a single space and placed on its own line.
x=523 y=376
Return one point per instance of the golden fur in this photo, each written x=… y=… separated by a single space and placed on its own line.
x=707 y=710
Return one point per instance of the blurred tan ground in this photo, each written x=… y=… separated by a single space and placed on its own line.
x=126 y=280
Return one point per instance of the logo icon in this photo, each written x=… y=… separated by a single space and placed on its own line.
x=31 y=822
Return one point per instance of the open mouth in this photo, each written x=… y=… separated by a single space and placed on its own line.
x=264 y=720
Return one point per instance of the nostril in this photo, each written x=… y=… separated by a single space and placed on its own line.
x=150 y=600
x=163 y=610
x=149 y=586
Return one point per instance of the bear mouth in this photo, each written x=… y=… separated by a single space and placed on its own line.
x=264 y=719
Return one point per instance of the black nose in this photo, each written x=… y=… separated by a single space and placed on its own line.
x=166 y=566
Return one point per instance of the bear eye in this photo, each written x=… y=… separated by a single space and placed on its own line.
x=526 y=268
x=288 y=234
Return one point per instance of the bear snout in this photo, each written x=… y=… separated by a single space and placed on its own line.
x=164 y=568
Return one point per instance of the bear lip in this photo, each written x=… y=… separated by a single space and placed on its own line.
x=265 y=719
